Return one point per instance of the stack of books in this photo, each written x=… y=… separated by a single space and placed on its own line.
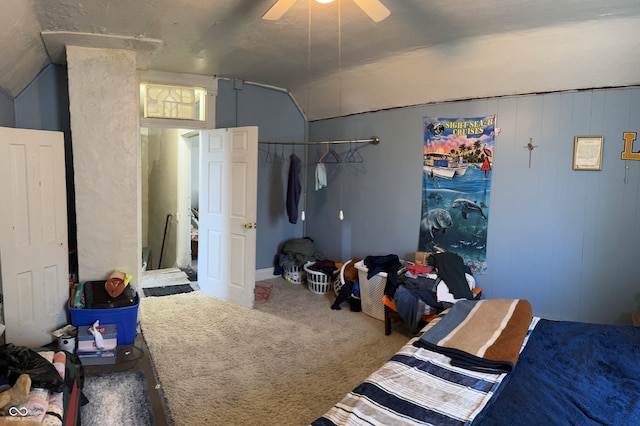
x=92 y=353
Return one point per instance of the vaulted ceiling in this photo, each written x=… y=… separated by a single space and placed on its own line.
x=334 y=59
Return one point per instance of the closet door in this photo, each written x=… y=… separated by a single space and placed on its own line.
x=33 y=235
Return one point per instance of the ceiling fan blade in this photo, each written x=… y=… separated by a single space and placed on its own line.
x=376 y=10
x=278 y=9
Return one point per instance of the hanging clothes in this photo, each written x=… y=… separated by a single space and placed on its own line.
x=321 y=176
x=293 y=188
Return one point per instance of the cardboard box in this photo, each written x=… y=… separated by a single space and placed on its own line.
x=97 y=357
x=421 y=257
x=87 y=342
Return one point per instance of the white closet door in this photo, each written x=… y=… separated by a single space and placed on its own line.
x=33 y=235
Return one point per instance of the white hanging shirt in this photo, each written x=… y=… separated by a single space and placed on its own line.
x=321 y=176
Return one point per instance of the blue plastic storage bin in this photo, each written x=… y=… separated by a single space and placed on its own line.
x=125 y=319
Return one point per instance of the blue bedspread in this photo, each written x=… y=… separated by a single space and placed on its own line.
x=571 y=373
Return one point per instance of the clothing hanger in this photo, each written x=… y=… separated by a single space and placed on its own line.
x=330 y=156
x=281 y=159
x=335 y=158
x=269 y=157
x=321 y=159
x=353 y=156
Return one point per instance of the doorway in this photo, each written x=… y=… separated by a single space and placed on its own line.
x=227 y=193
x=170 y=170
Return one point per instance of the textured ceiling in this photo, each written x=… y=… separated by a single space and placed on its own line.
x=335 y=60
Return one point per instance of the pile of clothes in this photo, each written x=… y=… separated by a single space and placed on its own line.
x=416 y=290
x=350 y=290
x=431 y=288
x=295 y=253
x=32 y=385
x=326 y=266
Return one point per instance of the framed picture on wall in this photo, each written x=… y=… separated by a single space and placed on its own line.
x=587 y=152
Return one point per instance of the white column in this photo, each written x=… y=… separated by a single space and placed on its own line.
x=105 y=132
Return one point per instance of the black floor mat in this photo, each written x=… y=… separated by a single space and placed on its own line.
x=168 y=290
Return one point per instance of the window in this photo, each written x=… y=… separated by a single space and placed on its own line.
x=176 y=100
x=165 y=101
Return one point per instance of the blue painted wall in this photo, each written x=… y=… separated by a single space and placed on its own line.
x=44 y=105
x=7 y=113
x=564 y=239
x=278 y=119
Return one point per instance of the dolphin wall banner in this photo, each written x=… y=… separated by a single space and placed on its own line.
x=456 y=185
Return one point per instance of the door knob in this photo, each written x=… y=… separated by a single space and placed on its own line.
x=249 y=225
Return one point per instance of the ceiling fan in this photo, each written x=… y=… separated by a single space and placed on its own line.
x=374 y=8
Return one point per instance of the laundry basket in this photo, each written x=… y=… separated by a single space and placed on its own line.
x=338 y=283
x=371 y=291
x=293 y=274
x=317 y=282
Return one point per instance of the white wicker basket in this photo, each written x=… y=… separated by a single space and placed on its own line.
x=371 y=291
x=338 y=283
x=317 y=282
x=293 y=274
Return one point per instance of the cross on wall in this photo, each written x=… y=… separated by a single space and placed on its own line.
x=530 y=146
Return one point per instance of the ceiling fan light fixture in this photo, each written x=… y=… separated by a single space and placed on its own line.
x=373 y=8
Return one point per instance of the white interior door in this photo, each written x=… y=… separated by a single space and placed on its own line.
x=183 y=216
x=227 y=234
x=33 y=235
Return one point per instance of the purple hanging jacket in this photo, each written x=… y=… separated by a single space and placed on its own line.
x=293 y=188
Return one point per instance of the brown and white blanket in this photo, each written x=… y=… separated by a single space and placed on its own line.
x=481 y=335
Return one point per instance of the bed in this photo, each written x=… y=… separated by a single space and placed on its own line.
x=562 y=372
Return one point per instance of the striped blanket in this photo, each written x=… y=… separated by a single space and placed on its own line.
x=416 y=387
x=481 y=335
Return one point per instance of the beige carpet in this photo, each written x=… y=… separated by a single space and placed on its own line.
x=284 y=363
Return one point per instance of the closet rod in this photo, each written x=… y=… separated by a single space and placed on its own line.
x=372 y=140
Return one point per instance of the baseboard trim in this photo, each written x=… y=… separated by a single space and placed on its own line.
x=265 y=274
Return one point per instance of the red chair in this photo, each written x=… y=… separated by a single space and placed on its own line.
x=391 y=312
